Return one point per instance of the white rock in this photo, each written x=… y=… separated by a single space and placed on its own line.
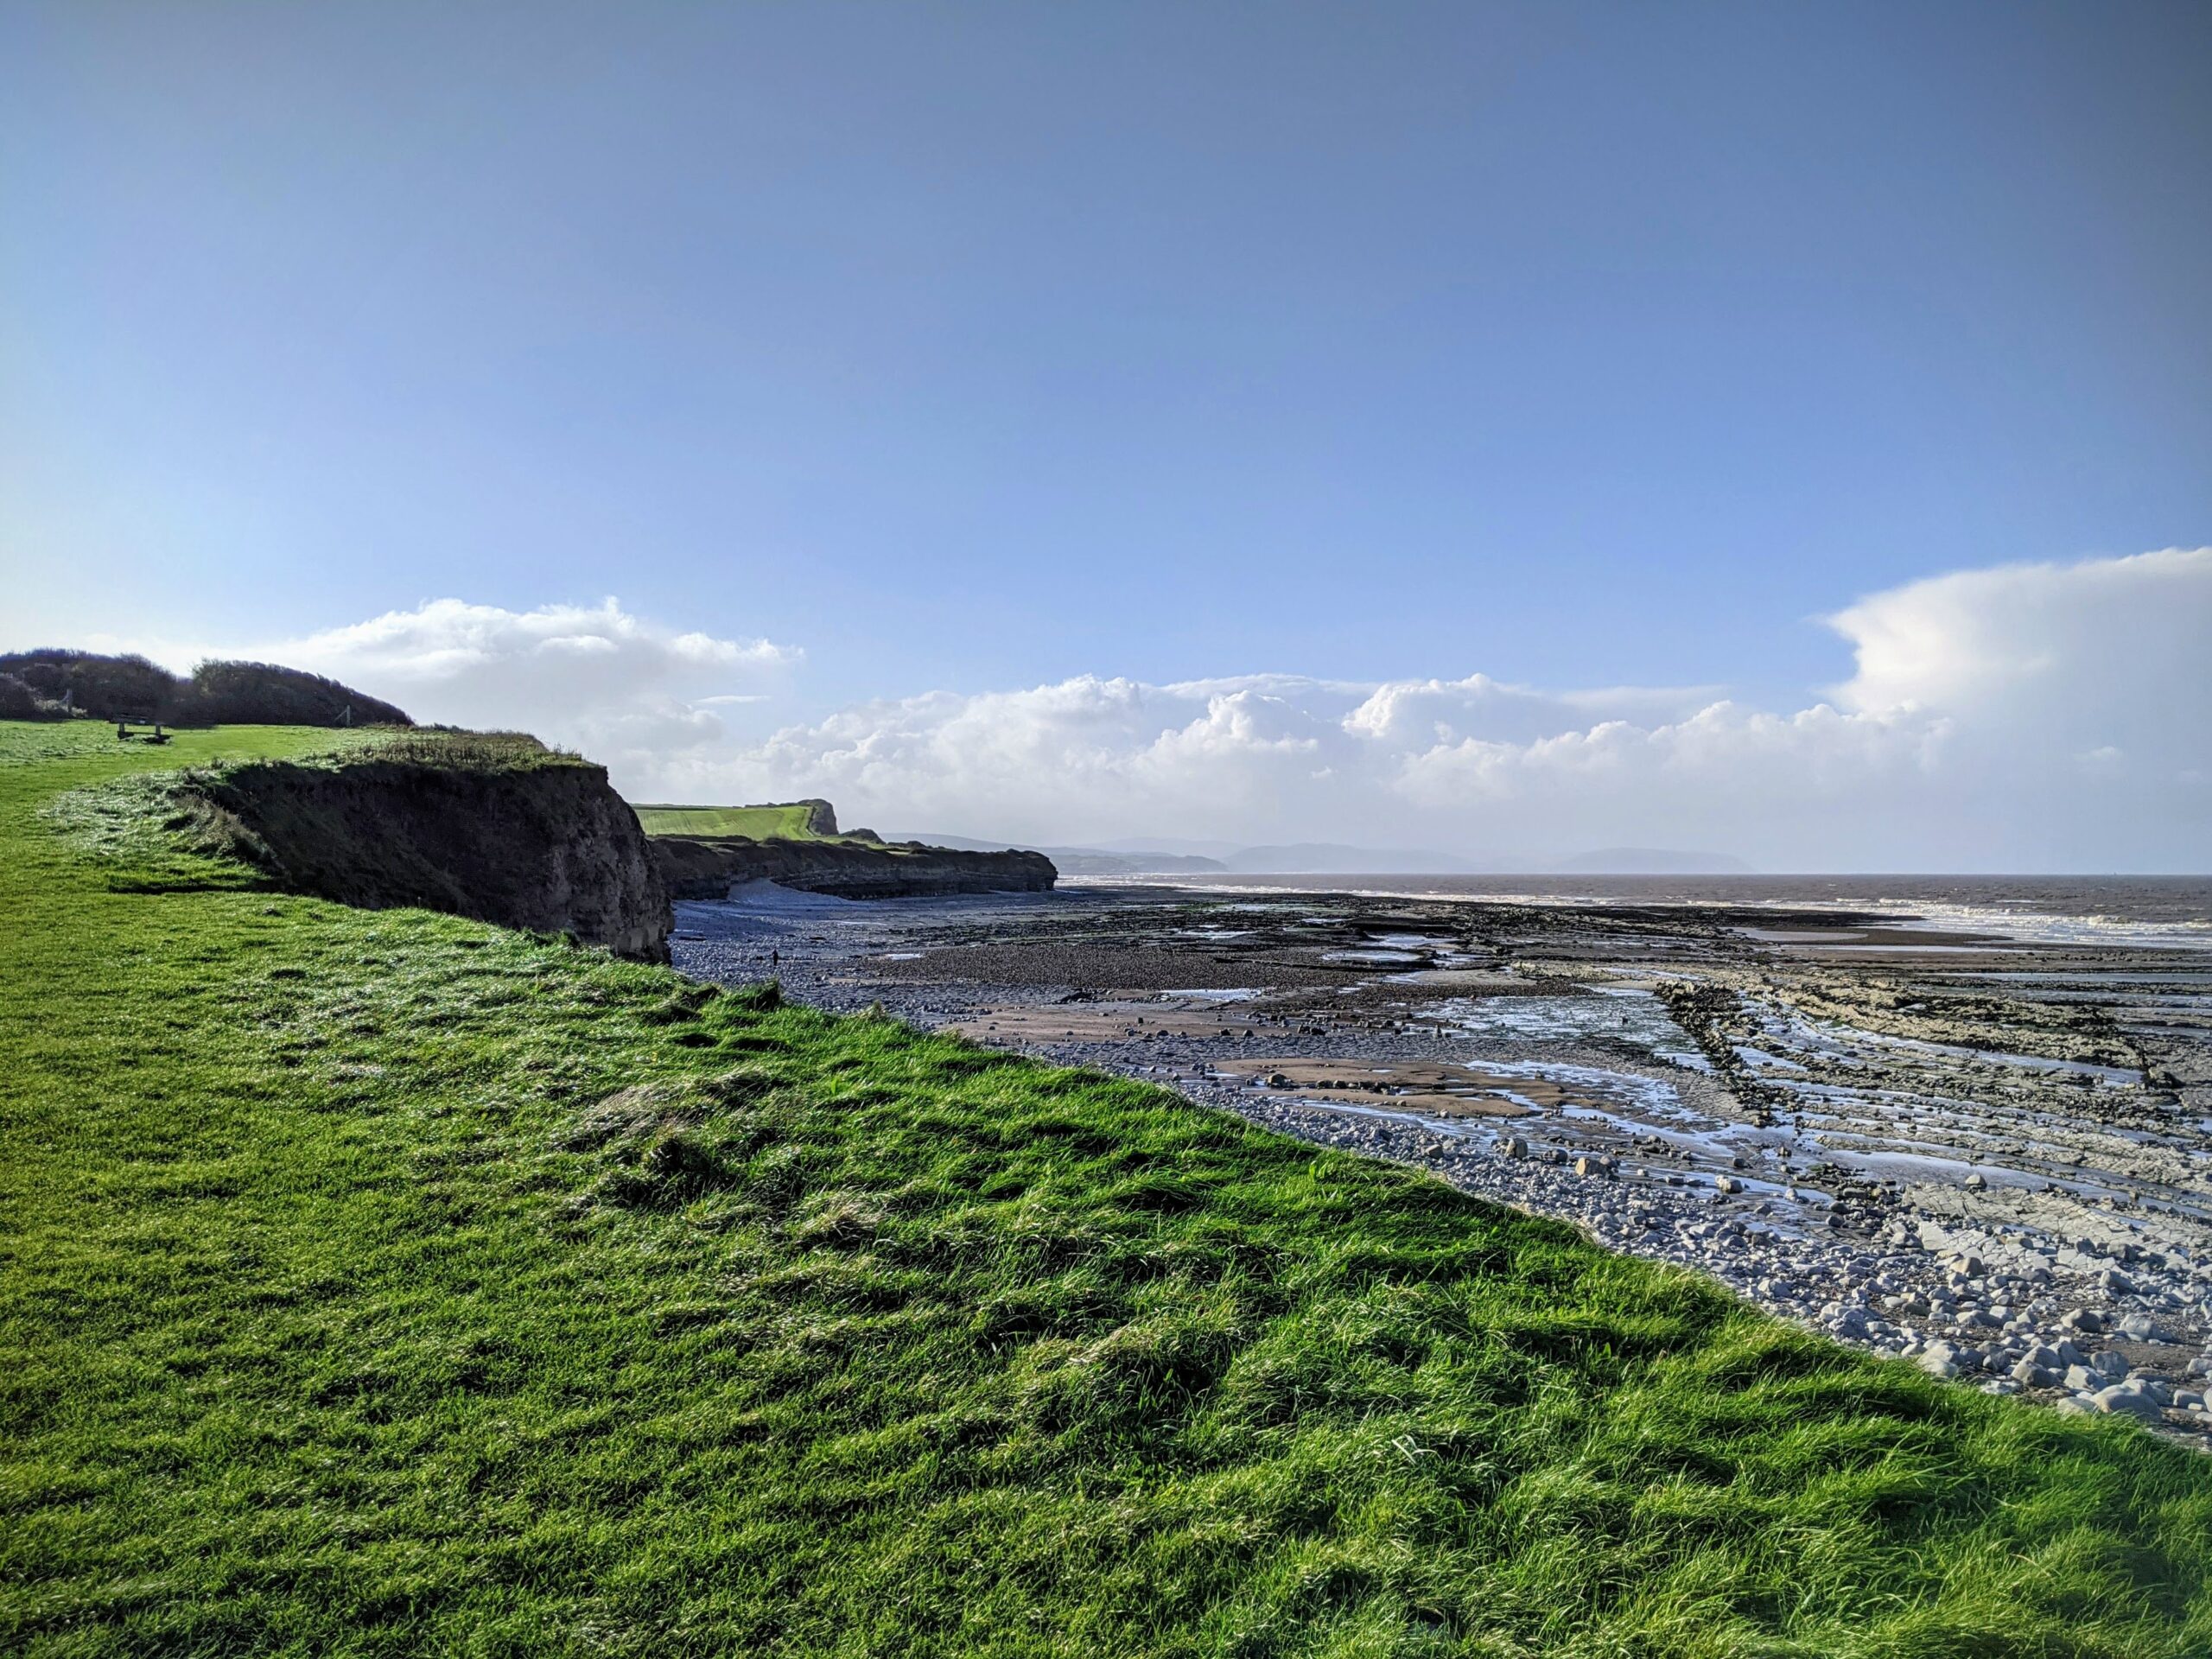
x=1939 y=1359
x=2133 y=1402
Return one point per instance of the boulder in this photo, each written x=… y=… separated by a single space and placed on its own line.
x=2128 y=1401
x=1939 y=1359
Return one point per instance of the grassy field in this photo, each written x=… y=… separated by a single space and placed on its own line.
x=789 y=823
x=385 y=1283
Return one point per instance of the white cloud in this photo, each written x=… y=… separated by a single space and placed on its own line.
x=622 y=689
x=2071 y=657
x=2032 y=716
x=2022 y=717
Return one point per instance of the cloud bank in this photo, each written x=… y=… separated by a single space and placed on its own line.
x=2025 y=717
x=595 y=677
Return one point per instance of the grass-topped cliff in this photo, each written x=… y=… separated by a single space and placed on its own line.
x=387 y=1282
x=492 y=825
x=704 y=851
x=785 y=821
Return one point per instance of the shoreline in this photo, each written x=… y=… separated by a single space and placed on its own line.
x=2192 y=931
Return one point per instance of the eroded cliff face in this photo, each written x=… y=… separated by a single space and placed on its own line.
x=552 y=848
x=700 y=867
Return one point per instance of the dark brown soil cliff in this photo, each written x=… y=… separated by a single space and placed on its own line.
x=548 y=847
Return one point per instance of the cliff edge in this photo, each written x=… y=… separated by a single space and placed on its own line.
x=498 y=828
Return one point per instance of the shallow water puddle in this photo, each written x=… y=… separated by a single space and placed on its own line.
x=1617 y=1014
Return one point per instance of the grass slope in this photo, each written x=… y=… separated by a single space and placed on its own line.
x=792 y=822
x=383 y=1283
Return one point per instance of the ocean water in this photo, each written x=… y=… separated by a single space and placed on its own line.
x=2150 y=909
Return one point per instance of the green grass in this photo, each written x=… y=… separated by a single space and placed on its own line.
x=476 y=751
x=792 y=822
x=386 y=1283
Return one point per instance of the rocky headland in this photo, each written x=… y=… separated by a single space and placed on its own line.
x=850 y=864
x=709 y=867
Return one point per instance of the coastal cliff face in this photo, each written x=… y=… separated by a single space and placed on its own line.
x=699 y=867
x=550 y=848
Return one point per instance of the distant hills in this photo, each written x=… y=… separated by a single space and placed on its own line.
x=1168 y=857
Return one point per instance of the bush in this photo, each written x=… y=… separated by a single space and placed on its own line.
x=113 y=688
x=266 y=694
x=218 y=694
x=19 y=701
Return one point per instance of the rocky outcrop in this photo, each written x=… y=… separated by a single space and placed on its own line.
x=548 y=847
x=702 y=866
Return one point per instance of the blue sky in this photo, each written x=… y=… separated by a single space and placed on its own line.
x=962 y=349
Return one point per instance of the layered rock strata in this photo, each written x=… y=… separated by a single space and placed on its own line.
x=703 y=866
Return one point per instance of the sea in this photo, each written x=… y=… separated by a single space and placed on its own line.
x=2171 y=910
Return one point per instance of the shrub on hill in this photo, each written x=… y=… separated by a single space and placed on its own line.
x=19 y=701
x=267 y=694
x=218 y=694
x=113 y=688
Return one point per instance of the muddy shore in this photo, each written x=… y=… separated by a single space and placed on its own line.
x=1987 y=1153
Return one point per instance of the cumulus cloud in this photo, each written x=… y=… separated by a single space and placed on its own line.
x=2030 y=716
x=623 y=689
x=1099 y=758
x=2023 y=718
x=2082 y=654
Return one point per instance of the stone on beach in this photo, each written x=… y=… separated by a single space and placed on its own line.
x=2132 y=1401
